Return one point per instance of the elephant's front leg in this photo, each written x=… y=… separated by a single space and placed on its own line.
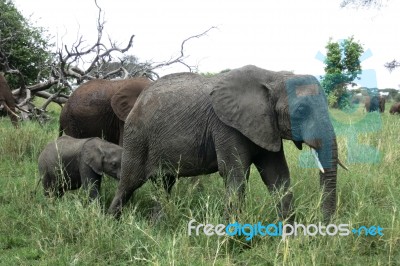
x=234 y=168
x=90 y=181
x=133 y=176
x=274 y=172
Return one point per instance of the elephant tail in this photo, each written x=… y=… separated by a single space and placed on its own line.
x=62 y=120
x=60 y=130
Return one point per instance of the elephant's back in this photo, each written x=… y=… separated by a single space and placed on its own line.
x=91 y=93
x=176 y=90
x=180 y=84
x=176 y=100
x=88 y=108
x=63 y=150
x=132 y=84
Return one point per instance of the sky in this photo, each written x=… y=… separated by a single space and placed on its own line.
x=276 y=35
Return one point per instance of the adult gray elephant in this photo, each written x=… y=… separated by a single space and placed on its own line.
x=69 y=163
x=98 y=108
x=191 y=125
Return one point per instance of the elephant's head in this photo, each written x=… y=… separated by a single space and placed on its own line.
x=268 y=106
x=102 y=156
x=125 y=97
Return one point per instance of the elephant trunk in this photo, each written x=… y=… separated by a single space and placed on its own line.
x=328 y=156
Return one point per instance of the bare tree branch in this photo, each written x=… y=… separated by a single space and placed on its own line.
x=51 y=99
x=363 y=3
x=70 y=57
x=28 y=97
x=392 y=65
x=180 y=59
x=80 y=62
x=119 y=70
x=60 y=99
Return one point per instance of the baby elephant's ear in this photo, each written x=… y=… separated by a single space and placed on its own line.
x=92 y=155
x=242 y=100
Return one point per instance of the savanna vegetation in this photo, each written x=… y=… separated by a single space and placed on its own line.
x=36 y=230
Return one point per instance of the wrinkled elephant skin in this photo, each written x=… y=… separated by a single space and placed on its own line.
x=98 y=108
x=189 y=125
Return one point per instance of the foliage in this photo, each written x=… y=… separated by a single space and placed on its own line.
x=392 y=92
x=332 y=100
x=342 y=67
x=70 y=231
x=23 y=46
x=225 y=70
x=210 y=74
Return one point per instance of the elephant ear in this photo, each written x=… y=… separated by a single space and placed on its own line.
x=124 y=99
x=242 y=99
x=92 y=155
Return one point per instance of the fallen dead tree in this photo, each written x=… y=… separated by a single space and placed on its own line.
x=77 y=63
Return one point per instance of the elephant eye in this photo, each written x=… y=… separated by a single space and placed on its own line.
x=302 y=111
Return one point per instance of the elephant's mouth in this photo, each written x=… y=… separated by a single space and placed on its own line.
x=299 y=144
x=315 y=145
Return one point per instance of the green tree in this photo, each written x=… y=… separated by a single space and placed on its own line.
x=343 y=66
x=23 y=47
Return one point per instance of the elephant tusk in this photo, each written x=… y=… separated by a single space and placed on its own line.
x=342 y=165
x=314 y=153
x=8 y=109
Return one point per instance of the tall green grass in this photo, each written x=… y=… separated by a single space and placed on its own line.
x=35 y=230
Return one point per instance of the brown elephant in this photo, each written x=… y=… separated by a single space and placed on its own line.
x=7 y=100
x=98 y=108
x=375 y=103
x=395 y=108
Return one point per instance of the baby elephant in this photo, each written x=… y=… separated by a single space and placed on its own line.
x=68 y=163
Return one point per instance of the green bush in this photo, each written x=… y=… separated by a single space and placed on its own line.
x=332 y=100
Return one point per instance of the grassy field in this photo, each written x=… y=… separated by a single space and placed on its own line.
x=35 y=230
